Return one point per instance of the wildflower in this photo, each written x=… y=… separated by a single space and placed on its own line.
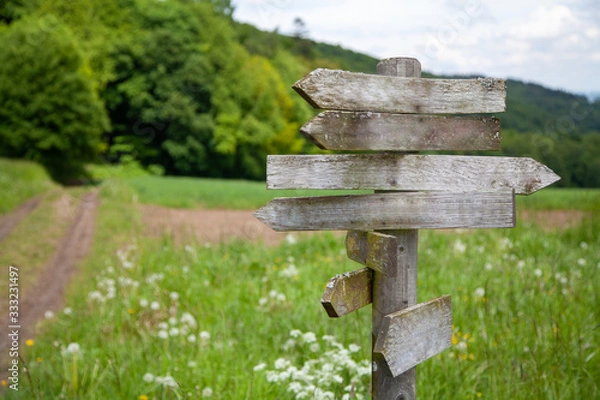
x=73 y=348
x=155 y=306
x=49 y=314
x=204 y=335
x=192 y=364
x=537 y=272
x=191 y=338
x=207 y=392
x=488 y=266
x=309 y=337
x=259 y=367
x=295 y=333
x=29 y=342
x=163 y=334
x=353 y=348
x=174 y=296
x=130 y=311
x=291 y=239
x=163 y=325
x=174 y=331
x=520 y=264
x=581 y=262
x=143 y=397
x=583 y=245
x=189 y=320
x=3 y=383
x=479 y=292
x=459 y=246
x=262 y=301
x=67 y=311
x=314 y=347
x=166 y=381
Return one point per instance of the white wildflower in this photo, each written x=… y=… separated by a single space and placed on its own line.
x=143 y=303
x=48 y=315
x=259 y=367
x=581 y=262
x=174 y=331
x=155 y=306
x=73 y=348
x=174 y=296
x=353 y=348
x=188 y=319
x=314 y=347
x=191 y=338
x=262 y=301
x=488 y=266
x=207 y=392
x=537 y=272
x=295 y=333
x=309 y=337
x=163 y=334
x=459 y=246
x=148 y=377
x=205 y=336
x=479 y=292
x=291 y=239
x=68 y=311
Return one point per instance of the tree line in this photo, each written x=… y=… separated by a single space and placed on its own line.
x=182 y=89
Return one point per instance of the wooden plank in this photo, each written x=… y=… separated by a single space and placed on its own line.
x=350 y=91
x=411 y=336
x=356 y=131
x=394 y=287
x=408 y=172
x=390 y=211
x=356 y=246
x=347 y=292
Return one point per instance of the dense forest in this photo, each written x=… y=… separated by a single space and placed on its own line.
x=181 y=88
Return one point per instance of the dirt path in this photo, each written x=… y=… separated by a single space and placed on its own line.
x=206 y=225
x=9 y=221
x=47 y=292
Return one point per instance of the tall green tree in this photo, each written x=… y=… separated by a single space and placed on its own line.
x=49 y=109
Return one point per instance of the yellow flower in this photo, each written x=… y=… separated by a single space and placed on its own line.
x=29 y=342
x=143 y=397
x=130 y=310
x=4 y=383
x=454 y=339
x=38 y=360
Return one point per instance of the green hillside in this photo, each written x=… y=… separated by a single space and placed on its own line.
x=180 y=88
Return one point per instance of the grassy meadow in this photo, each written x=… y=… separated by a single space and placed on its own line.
x=147 y=319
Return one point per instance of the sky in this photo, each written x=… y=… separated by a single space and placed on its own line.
x=551 y=42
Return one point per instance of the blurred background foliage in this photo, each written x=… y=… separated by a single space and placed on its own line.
x=179 y=87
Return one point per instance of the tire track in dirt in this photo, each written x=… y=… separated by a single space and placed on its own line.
x=48 y=291
x=10 y=221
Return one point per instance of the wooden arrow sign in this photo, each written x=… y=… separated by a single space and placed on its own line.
x=349 y=91
x=347 y=292
x=391 y=211
x=408 y=172
x=342 y=130
x=411 y=336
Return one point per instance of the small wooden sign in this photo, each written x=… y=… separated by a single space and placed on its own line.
x=350 y=91
x=408 y=172
x=411 y=336
x=389 y=211
x=348 y=292
x=356 y=131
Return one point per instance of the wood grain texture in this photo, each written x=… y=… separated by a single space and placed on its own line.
x=415 y=210
x=408 y=172
x=350 y=91
x=359 y=131
x=348 y=292
x=411 y=336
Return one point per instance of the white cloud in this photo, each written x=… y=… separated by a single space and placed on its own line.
x=539 y=40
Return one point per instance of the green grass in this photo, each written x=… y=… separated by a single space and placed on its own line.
x=238 y=194
x=210 y=193
x=524 y=312
x=561 y=199
x=19 y=181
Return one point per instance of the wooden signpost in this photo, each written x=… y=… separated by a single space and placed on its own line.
x=395 y=111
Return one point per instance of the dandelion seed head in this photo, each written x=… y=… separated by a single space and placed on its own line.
x=48 y=315
x=148 y=377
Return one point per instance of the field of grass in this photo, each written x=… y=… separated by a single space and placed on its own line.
x=19 y=181
x=149 y=320
x=219 y=193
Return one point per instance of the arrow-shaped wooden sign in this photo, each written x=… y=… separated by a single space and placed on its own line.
x=350 y=91
x=356 y=131
x=411 y=336
x=408 y=172
x=347 y=292
x=389 y=211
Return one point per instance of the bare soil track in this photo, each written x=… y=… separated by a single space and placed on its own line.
x=47 y=292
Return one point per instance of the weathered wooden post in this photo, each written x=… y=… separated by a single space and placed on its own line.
x=395 y=112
